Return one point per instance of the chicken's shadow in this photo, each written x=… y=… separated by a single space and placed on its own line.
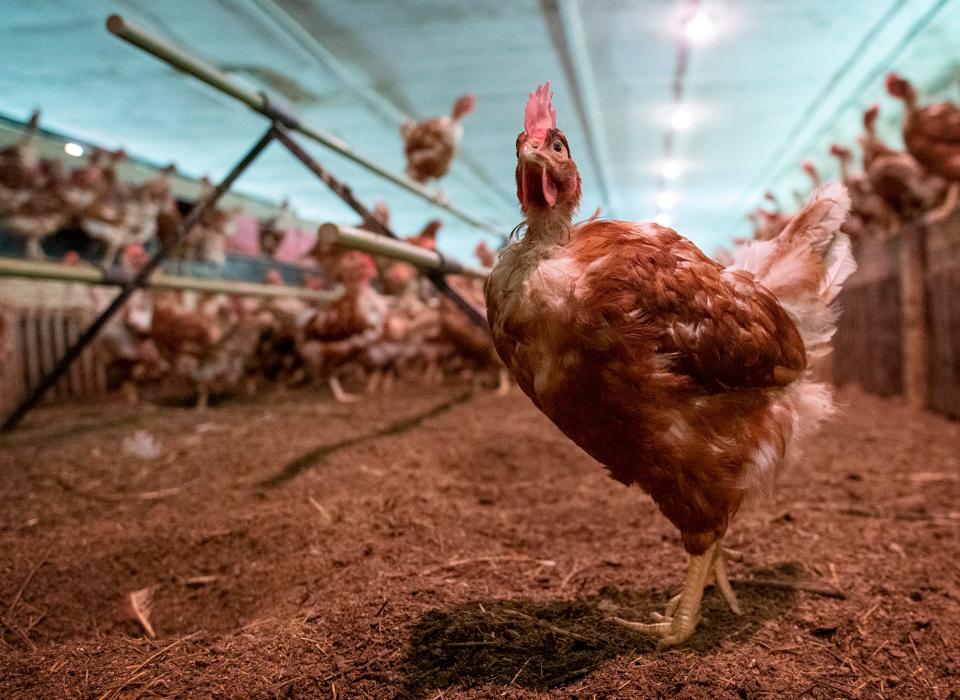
x=550 y=644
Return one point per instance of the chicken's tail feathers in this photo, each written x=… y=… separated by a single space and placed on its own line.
x=820 y=220
x=806 y=265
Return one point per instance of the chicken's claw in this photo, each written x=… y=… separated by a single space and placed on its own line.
x=338 y=391
x=682 y=614
x=723 y=582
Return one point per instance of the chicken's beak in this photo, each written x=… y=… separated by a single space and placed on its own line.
x=530 y=152
x=535 y=175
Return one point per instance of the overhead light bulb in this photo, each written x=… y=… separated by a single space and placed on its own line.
x=666 y=200
x=671 y=170
x=73 y=149
x=700 y=28
x=663 y=218
x=681 y=119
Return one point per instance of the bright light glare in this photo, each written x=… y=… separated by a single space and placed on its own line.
x=700 y=28
x=671 y=170
x=663 y=218
x=666 y=200
x=681 y=119
x=73 y=149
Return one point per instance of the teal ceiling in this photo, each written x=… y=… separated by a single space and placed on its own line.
x=777 y=84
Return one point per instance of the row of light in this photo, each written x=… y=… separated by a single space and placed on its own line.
x=700 y=28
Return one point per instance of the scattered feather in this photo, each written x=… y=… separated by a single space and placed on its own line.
x=137 y=607
x=141 y=445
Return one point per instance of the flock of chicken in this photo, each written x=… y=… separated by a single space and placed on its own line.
x=386 y=321
x=384 y=324
x=895 y=187
x=39 y=197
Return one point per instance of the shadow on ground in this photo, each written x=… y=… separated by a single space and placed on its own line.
x=552 y=644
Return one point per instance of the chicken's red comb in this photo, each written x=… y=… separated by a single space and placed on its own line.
x=539 y=115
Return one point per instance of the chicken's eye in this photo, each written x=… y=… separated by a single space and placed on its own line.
x=558 y=146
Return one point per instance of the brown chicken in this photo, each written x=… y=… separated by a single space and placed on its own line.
x=337 y=335
x=870 y=214
x=402 y=278
x=32 y=205
x=432 y=144
x=898 y=177
x=932 y=135
x=185 y=339
x=274 y=230
x=679 y=375
x=38 y=216
x=20 y=168
x=769 y=224
x=145 y=205
x=471 y=342
x=105 y=219
x=131 y=354
x=207 y=240
x=486 y=256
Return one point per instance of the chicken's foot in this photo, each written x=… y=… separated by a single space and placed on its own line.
x=34 y=251
x=203 y=398
x=373 y=381
x=130 y=393
x=338 y=391
x=722 y=581
x=110 y=257
x=503 y=385
x=682 y=614
x=949 y=205
x=718 y=577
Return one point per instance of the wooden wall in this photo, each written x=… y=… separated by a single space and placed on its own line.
x=943 y=298
x=867 y=346
x=899 y=329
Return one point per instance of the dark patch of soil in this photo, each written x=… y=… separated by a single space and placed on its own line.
x=421 y=546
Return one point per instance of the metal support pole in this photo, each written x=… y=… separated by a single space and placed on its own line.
x=343 y=191
x=377 y=244
x=138 y=281
x=88 y=274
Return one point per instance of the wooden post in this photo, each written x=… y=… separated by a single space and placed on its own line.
x=913 y=307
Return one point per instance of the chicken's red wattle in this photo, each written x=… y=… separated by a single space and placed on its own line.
x=543 y=189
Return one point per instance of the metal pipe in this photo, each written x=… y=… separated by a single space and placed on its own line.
x=358 y=239
x=272 y=108
x=41 y=270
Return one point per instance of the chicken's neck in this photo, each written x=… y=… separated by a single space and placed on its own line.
x=549 y=227
x=910 y=102
x=844 y=168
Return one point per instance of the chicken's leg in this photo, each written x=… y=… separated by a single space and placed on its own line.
x=949 y=205
x=373 y=381
x=718 y=577
x=721 y=579
x=203 y=397
x=338 y=392
x=678 y=627
x=503 y=385
x=34 y=251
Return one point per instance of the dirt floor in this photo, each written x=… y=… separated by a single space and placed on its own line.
x=440 y=545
